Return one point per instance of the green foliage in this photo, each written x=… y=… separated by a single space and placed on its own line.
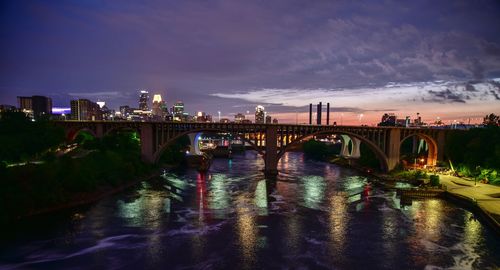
x=21 y=139
x=175 y=152
x=411 y=174
x=475 y=147
x=368 y=157
x=318 y=150
x=434 y=179
x=113 y=161
x=476 y=151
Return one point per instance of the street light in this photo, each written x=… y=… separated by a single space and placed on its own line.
x=478 y=169
x=219 y=115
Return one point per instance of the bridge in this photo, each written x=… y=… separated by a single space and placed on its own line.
x=270 y=140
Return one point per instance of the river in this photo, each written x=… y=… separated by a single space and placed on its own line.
x=315 y=216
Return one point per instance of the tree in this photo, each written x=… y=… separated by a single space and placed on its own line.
x=491 y=120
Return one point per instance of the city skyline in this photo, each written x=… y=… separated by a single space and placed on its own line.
x=365 y=59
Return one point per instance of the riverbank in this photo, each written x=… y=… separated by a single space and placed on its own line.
x=484 y=197
x=85 y=198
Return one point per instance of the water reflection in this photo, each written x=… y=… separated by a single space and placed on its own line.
x=472 y=229
x=201 y=196
x=247 y=230
x=314 y=191
x=219 y=198
x=260 y=198
x=338 y=221
x=427 y=217
x=317 y=216
x=146 y=209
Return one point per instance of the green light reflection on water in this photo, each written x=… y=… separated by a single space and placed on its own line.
x=219 y=197
x=146 y=209
x=314 y=191
x=260 y=198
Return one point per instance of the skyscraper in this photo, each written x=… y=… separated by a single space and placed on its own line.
x=84 y=109
x=143 y=100
x=158 y=107
x=178 y=111
x=35 y=106
x=259 y=115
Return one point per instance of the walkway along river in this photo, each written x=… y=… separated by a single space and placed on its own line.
x=316 y=215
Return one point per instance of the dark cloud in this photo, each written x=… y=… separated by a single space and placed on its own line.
x=446 y=96
x=188 y=50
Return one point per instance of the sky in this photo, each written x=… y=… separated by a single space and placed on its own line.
x=366 y=58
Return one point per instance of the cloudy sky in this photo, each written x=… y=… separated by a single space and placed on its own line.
x=439 y=58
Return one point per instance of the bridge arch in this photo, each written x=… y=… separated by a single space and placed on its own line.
x=72 y=133
x=376 y=150
x=166 y=144
x=121 y=129
x=432 y=154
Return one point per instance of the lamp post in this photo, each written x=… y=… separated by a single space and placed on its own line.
x=219 y=115
x=478 y=169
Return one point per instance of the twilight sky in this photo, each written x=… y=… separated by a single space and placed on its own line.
x=439 y=58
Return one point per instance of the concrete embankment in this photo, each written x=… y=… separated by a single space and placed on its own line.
x=482 y=197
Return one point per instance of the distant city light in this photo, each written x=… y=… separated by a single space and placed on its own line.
x=101 y=104
x=157 y=98
x=61 y=110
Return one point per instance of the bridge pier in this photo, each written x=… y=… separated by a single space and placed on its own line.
x=392 y=148
x=194 y=149
x=99 y=130
x=355 y=152
x=271 y=155
x=147 y=147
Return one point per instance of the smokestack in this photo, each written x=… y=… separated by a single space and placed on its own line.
x=318 y=115
x=310 y=113
x=328 y=113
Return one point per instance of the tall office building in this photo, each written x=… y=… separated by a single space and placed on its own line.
x=35 y=106
x=259 y=115
x=143 y=100
x=84 y=109
x=159 y=106
x=178 y=111
x=25 y=103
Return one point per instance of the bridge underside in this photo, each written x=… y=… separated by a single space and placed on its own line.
x=270 y=140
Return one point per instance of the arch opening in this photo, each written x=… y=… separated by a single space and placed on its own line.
x=418 y=151
x=187 y=142
x=368 y=146
x=80 y=134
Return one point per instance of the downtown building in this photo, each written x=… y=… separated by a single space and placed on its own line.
x=178 y=113
x=159 y=109
x=35 y=106
x=239 y=118
x=144 y=100
x=85 y=110
x=259 y=115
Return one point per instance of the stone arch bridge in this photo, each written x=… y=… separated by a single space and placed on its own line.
x=271 y=140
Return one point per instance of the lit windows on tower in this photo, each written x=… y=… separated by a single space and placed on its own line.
x=143 y=100
x=259 y=115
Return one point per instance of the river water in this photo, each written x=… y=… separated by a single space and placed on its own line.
x=315 y=216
